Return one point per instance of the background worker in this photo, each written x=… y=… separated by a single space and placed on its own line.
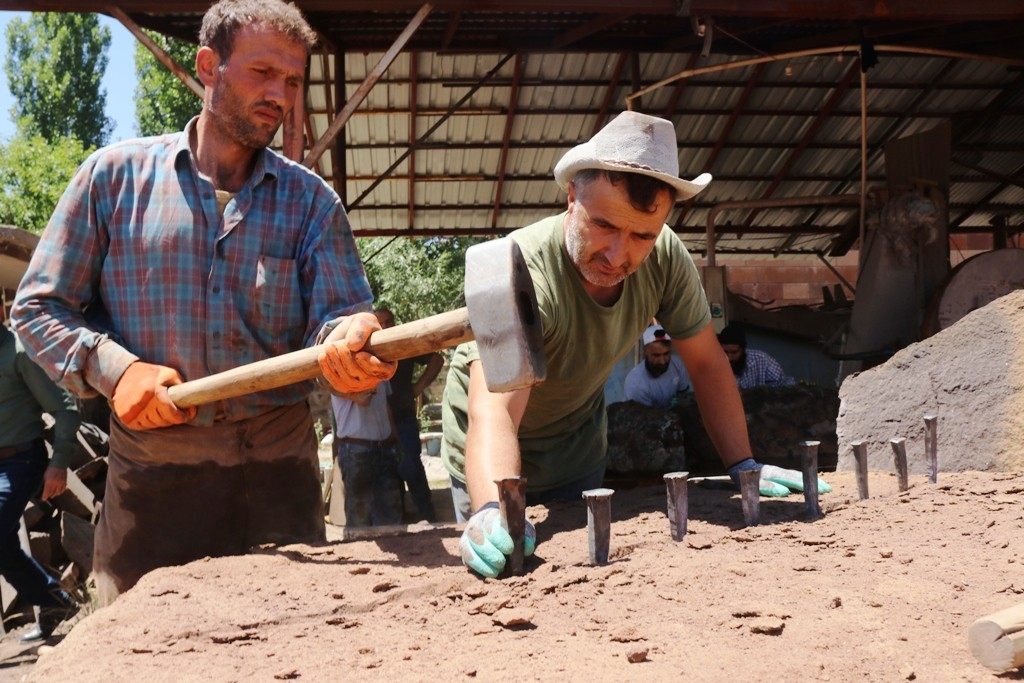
x=366 y=451
x=752 y=368
x=603 y=270
x=175 y=257
x=660 y=376
x=404 y=394
x=25 y=394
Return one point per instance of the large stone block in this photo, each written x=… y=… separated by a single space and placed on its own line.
x=645 y=440
x=778 y=420
x=970 y=375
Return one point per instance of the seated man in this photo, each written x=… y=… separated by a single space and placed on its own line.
x=656 y=381
x=752 y=368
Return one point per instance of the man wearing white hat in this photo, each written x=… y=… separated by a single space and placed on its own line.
x=656 y=380
x=603 y=270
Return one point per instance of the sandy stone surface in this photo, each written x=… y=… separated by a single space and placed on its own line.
x=876 y=590
x=970 y=375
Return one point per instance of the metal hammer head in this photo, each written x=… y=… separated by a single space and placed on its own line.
x=503 y=313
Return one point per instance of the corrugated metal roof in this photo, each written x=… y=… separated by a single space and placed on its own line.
x=781 y=142
x=789 y=127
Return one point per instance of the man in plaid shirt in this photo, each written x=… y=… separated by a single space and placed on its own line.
x=175 y=257
x=752 y=368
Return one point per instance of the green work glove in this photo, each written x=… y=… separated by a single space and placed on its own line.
x=486 y=541
x=790 y=479
x=775 y=482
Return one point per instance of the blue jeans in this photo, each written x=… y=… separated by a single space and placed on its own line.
x=20 y=478
x=567 y=492
x=410 y=467
x=373 y=489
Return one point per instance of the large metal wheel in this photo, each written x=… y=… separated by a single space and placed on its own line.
x=974 y=283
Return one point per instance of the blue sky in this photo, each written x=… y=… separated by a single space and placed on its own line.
x=119 y=80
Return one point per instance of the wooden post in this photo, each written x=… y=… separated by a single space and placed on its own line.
x=291 y=131
x=899 y=450
x=931 y=447
x=180 y=72
x=336 y=500
x=750 y=493
x=997 y=641
x=77 y=536
x=342 y=117
x=860 y=454
x=678 y=503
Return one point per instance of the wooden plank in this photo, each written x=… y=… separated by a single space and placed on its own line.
x=336 y=510
x=369 y=533
x=77 y=535
x=77 y=499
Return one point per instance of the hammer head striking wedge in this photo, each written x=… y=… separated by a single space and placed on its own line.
x=503 y=311
x=501 y=315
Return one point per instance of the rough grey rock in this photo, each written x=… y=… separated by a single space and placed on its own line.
x=645 y=440
x=970 y=375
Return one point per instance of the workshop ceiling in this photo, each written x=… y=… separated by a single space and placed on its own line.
x=461 y=131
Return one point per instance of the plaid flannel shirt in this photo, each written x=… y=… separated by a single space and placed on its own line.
x=763 y=371
x=137 y=263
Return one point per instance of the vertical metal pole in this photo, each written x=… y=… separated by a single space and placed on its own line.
x=860 y=454
x=512 y=500
x=599 y=523
x=810 y=471
x=750 y=493
x=678 y=503
x=931 y=446
x=861 y=248
x=899 y=450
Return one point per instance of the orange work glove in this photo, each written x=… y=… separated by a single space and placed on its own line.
x=141 y=401
x=348 y=369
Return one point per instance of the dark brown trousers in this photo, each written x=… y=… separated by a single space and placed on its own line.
x=182 y=493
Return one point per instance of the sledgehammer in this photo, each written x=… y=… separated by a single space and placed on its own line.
x=501 y=314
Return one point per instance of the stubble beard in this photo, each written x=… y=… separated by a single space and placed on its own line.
x=226 y=110
x=656 y=370
x=740 y=364
x=589 y=266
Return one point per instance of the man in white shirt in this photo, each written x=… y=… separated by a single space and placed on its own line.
x=656 y=381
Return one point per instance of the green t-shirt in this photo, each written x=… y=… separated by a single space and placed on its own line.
x=563 y=434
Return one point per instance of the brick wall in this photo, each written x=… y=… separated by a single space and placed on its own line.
x=798 y=280
x=784 y=281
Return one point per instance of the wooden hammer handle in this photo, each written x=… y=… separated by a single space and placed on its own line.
x=413 y=339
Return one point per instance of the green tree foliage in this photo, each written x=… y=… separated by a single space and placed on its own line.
x=163 y=104
x=54 y=64
x=33 y=174
x=416 y=277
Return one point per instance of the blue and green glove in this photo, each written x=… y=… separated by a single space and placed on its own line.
x=486 y=542
x=775 y=481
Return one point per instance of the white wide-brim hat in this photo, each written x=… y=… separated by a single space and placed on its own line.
x=632 y=143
